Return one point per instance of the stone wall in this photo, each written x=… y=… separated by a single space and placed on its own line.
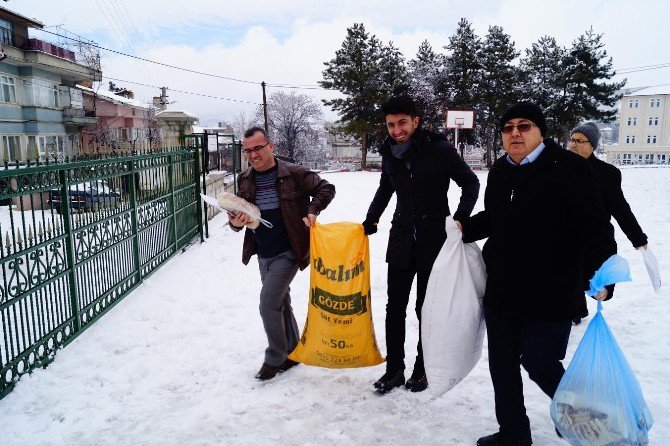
x=216 y=183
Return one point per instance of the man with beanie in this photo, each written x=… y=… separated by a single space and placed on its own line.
x=547 y=233
x=417 y=165
x=584 y=141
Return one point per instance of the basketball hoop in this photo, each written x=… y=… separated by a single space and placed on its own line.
x=460 y=119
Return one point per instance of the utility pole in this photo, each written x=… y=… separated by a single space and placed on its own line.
x=265 y=107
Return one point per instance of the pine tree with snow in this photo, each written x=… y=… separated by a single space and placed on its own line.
x=357 y=71
x=587 y=94
x=424 y=73
x=543 y=80
x=498 y=86
x=462 y=74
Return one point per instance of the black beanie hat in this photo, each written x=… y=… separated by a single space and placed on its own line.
x=526 y=110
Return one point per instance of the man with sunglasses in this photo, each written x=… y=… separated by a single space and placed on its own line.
x=289 y=197
x=546 y=226
x=584 y=140
x=417 y=166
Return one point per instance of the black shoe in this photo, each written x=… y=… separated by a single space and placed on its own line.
x=417 y=382
x=498 y=440
x=389 y=381
x=288 y=363
x=577 y=321
x=267 y=371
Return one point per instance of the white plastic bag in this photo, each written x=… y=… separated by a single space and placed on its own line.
x=233 y=204
x=452 y=317
x=652 y=268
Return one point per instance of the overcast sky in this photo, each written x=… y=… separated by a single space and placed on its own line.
x=286 y=42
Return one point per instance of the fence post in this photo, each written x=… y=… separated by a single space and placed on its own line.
x=134 y=220
x=236 y=161
x=69 y=246
x=203 y=145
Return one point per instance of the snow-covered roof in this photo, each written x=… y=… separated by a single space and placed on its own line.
x=21 y=19
x=651 y=91
x=106 y=94
x=175 y=114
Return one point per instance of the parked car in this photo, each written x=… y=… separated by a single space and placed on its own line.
x=86 y=196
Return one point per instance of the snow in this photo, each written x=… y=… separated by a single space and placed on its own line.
x=174 y=362
x=656 y=90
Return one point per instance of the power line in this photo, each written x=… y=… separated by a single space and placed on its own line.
x=202 y=73
x=647 y=68
x=181 y=91
x=118 y=25
x=145 y=85
x=165 y=64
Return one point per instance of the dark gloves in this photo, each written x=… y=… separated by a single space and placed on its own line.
x=369 y=227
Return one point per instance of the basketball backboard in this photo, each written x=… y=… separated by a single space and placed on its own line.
x=460 y=119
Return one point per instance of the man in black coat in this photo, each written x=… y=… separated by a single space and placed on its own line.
x=583 y=141
x=417 y=165
x=548 y=233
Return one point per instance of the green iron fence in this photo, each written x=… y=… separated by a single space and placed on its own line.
x=78 y=237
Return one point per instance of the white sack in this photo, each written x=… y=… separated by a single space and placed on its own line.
x=452 y=317
x=652 y=268
x=233 y=204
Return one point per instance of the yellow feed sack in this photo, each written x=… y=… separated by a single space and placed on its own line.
x=338 y=332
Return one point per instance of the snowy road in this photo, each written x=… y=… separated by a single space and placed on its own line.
x=173 y=363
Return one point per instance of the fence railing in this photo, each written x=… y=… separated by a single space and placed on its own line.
x=224 y=152
x=78 y=237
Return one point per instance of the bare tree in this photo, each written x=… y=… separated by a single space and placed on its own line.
x=295 y=121
x=152 y=131
x=242 y=122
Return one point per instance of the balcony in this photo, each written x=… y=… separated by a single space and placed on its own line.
x=79 y=117
x=34 y=44
x=75 y=63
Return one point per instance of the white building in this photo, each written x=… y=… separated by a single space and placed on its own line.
x=644 y=128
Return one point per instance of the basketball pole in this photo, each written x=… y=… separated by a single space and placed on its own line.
x=458 y=126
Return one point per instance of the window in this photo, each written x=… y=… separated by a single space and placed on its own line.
x=649 y=158
x=632 y=121
x=660 y=158
x=630 y=139
x=638 y=158
x=11 y=146
x=655 y=102
x=653 y=121
x=626 y=158
x=6 y=32
x=7 y=89
x=633 y=103
x=41 y=93
x=651 y=139
x=51 y=146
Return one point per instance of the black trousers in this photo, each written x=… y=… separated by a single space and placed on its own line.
x=537 y=346
x=399 y=285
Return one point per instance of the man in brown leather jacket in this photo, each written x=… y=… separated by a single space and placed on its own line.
x=289 y=197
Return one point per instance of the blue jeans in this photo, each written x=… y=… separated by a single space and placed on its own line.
x=281 y=329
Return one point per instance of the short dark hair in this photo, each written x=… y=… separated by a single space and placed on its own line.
x=250 y=132
x=400 y=104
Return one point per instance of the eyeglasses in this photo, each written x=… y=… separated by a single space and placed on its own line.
x=523 y=128
x=255 y=149
x=578 y=141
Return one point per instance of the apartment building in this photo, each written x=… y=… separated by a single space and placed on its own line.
x=41 y=111
x=644 y=128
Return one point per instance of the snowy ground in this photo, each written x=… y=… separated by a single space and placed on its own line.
x=173 y=364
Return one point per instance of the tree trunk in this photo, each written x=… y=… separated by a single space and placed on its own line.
x=364 y=151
